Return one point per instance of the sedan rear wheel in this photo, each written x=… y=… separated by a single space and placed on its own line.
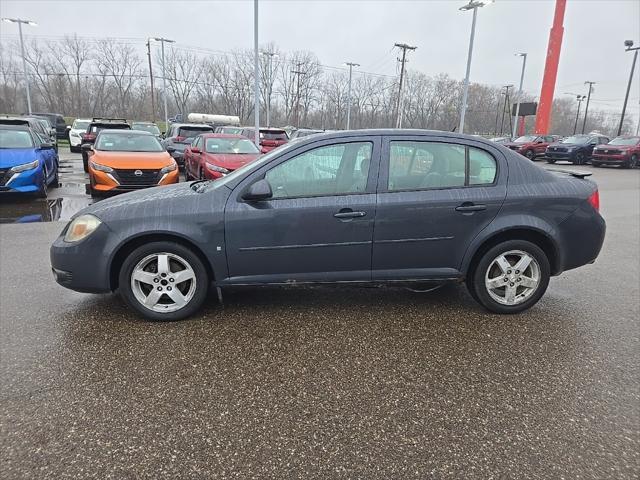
x=529 y=154
x=511 y=277
x=633 y=162
x=164 y=281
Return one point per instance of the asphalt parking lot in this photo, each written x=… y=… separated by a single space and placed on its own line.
x=321 y=383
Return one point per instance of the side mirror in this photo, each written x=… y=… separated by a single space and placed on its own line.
x=46 y=146
x=261 y=190
x=171 y=149
x=195 y=150
x=86 y=147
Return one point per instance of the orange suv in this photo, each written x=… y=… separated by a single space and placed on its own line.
x=124 y=160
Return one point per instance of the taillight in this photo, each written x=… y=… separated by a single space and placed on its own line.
x=594 y=200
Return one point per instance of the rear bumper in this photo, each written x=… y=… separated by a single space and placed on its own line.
x=581 y=235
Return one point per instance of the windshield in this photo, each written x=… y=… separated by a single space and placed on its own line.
x=118 y=142
x=116 y=126
x=576 y=139
x=230 y=146
x=146 y=127
x=80 y=125
x=625 y=141
x=15 y=139
x=525 y=139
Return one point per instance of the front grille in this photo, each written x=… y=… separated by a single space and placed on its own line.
x=610 y=152
x=4 y=176
x=557 y=149
x=128 y=177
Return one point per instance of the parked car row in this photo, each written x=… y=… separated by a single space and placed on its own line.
x=578 y=149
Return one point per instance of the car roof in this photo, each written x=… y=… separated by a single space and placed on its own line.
x=201 y=125
x=143 y=121
x=7 y=126
x=221 y=135
x=120 y=131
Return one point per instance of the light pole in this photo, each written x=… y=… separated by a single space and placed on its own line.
x=20 y=21
x=580 y=99
x=256 y=76
x=269 y=56
x=630 y=47
x=586 y=107
x=350 y=65
x=472 y=5
x=524 y=64
x=164 y=80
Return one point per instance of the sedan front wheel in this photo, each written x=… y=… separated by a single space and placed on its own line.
x=164 y=281
x=511 y=277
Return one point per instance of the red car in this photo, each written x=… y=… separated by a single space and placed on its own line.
x=531 y=146
x=214 y=155
x=270 y=138
x=623 y=151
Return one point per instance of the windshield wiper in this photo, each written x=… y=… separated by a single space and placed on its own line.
x=199 y=185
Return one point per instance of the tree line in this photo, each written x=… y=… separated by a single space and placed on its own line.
x=81 y=77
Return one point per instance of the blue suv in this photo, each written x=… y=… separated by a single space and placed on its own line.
x=28 y=163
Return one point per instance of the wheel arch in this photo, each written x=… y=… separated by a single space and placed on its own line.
x=527 y=233
x=134 y=242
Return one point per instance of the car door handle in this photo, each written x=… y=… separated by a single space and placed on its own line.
x=469 y=207
x=349 y=214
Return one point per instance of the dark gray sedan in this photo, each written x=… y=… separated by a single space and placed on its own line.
x=368 y=206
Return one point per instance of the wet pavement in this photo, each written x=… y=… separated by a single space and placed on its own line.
x=326 y=383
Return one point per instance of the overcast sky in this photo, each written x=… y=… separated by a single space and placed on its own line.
x=364 y=31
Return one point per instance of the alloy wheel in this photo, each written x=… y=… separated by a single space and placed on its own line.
x=163 y=282
x=512 y=277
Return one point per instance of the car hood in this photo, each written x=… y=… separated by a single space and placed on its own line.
x=230 y=161
x=162 y=201
x=142 y=160
x=10 y=157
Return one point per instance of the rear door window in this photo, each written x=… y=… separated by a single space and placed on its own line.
x=429 y=165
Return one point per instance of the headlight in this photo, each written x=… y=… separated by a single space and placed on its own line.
x=101 y=168
x=81 y=227
x=215 y=168
x=25 y=166
x=169 y=168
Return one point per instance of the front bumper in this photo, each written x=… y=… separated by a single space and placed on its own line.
x=82 y=266
x=560 y=156
x=107 y=182
x=610 y=159
x=29 y=181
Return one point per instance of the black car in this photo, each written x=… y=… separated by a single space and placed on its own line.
x=57 y=121
x=576 y=149
x=364 y=206
x=96 y=125
x=179 y=137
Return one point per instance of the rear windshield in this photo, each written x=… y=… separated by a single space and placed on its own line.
x=230 y=146
x=15 y=139
x=625 y=141
x=146 y=127
x=190 y=132
x=123 y=142
x=231 y=130
x=116 y=126
x=273 y=135
x=80 y=125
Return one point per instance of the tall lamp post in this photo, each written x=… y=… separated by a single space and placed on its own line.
x=630 y=47
x=350 y=65
x=524 y=64
x=580 y=99
x=586 y=107
x=164 y=79
x=269 y=56
x=20 y=21
x=472 y=5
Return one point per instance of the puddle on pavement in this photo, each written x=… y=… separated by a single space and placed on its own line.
x=62 y=204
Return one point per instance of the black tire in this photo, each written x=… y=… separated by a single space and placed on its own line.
x=74 y=149
x=633 y=162
x=85 y=162
x=55 y=183
x=476 y=278
x=551 y=161
x=201 y=278
x=530 y=154
x=42 y=193
x=580 y=159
